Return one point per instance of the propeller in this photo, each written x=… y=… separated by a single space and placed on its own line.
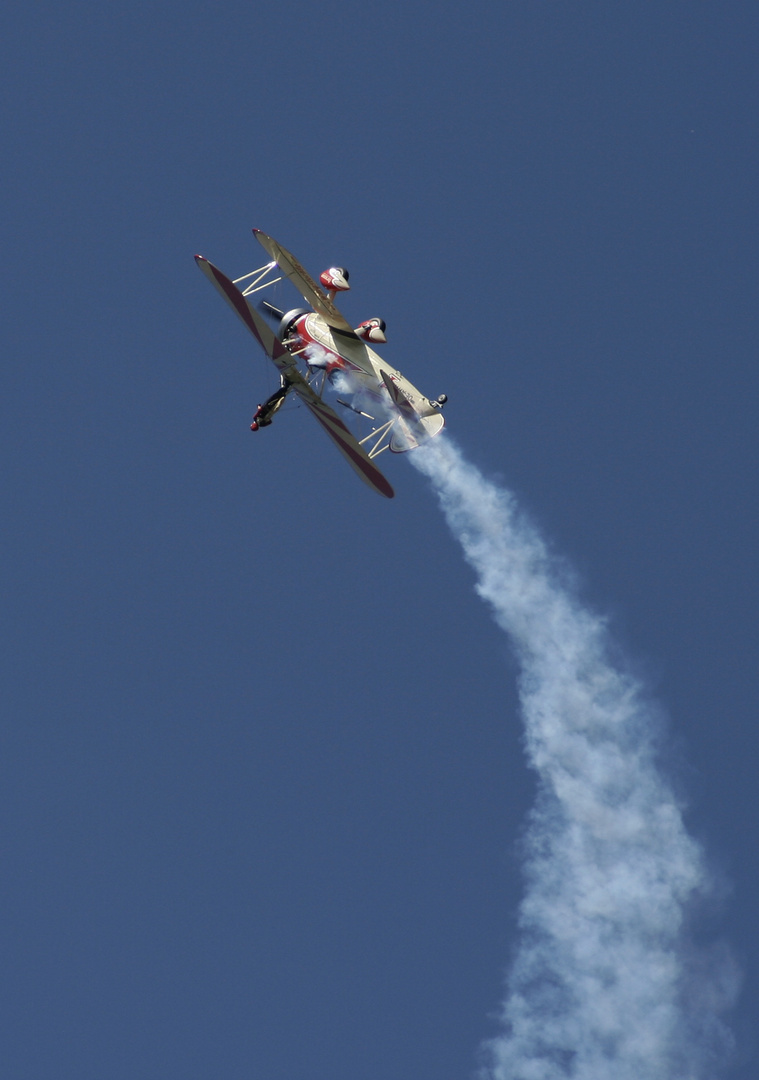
x=270 y=309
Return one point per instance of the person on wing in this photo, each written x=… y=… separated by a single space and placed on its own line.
x=264 y=413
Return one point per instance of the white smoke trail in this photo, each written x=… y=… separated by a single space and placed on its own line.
x=601 y=987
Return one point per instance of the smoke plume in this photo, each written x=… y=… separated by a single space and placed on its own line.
x=605 y=983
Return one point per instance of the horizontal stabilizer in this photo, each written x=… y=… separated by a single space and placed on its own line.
x=399 y=399
x=417 y=420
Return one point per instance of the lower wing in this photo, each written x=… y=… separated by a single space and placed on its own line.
x=351 y=450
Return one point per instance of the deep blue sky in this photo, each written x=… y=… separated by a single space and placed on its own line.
x=261 y=780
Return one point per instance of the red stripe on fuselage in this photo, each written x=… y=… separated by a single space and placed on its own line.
x=337 y=361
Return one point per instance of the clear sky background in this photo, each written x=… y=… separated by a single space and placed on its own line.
x=261 y=774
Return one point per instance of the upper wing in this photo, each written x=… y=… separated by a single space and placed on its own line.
x=263 y=333
x=304 y=283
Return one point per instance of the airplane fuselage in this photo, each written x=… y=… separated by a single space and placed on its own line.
x=322 y=346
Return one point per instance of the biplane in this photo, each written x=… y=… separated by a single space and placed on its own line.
x=316 y=349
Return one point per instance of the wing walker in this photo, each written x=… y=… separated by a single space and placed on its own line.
x=317 y=348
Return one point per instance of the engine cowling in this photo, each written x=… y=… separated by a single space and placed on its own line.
x=335 y=279
x=288 y=320
x=372 y=330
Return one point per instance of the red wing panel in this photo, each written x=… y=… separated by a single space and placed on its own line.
x=347 y=444
x=260 y=330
